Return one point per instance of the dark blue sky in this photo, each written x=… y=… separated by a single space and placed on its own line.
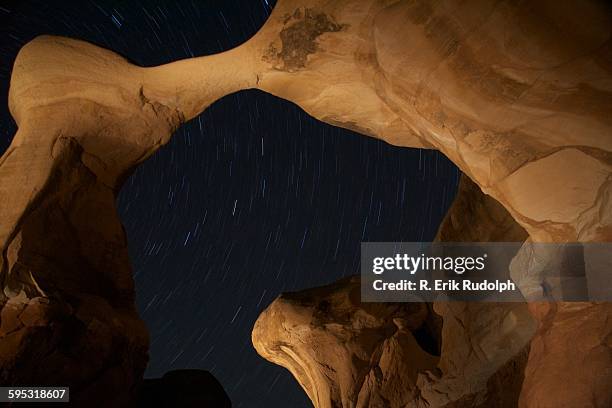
x=250 y=199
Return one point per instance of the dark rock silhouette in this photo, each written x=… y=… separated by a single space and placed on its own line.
x=183 y=388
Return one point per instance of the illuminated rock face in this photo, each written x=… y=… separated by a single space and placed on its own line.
x=86 y=118
x=363 y=354
x=345 y=353
x=518 y=95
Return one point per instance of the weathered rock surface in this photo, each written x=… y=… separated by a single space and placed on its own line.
x=517 y=94
x=85 y=120
x=484 y=345
x=350 y=354
x=476 y=217
x=342 y=362
x=570 y=362
x=346 y=353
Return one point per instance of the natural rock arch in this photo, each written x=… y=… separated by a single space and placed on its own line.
x=517 y=95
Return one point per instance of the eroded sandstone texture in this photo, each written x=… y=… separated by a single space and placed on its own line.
x=517 y=94
x=351 y=354
x=345 y=353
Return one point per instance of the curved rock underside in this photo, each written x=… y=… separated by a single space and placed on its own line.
x=517 y=94
x=350 y=354
x=345 y=353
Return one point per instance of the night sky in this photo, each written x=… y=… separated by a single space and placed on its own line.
x=251 y=199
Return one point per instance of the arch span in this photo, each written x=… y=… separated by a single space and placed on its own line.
x=517 y=95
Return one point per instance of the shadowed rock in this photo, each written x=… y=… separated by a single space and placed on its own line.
x=183 y=388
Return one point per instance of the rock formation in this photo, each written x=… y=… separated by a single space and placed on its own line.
x=345 y=353
x=517 y=94
x=86 y=118
x=484 y=345
x=350 y=354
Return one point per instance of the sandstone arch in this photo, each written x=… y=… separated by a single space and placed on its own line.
x=517 y=94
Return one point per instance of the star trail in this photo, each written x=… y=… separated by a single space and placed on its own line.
x=250 y=199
